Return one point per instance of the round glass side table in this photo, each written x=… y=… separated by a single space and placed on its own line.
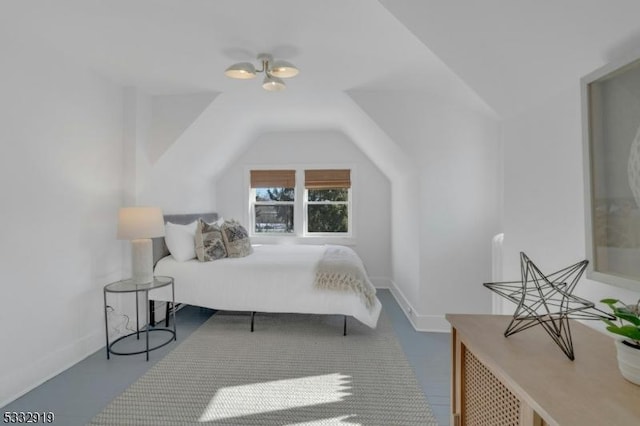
x=128 y=286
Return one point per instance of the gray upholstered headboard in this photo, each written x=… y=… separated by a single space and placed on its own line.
x=160 y=249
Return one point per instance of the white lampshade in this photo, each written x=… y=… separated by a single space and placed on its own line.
x=140 y=222
x=242 y=71
x=273 y=84
x=283 y=69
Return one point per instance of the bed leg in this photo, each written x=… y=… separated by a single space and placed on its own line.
x=152 y=310
x=253 y=314
x=345 y=326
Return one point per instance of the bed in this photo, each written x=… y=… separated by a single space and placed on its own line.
x=274 y=278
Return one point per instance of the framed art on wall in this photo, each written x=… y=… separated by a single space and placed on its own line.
x=611 y=137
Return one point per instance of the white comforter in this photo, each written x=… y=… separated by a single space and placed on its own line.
x=275 y=278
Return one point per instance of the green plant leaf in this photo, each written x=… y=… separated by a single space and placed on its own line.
x=609 y=322
x=629 y=331
x=626 y=315
x=609 y=301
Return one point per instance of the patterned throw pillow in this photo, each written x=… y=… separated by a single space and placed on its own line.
x=236 y=239
x=209 y=242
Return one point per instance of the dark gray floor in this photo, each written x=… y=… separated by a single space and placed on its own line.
x=79 y=393
x=428 y=353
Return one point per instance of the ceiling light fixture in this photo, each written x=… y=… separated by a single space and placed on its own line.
x=274 y=72
x=273 y=84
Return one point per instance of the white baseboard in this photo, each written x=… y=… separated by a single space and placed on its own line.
x=420 y=322
x=381 y=282
x=50 y=365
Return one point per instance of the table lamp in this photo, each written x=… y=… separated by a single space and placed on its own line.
x=139 y=225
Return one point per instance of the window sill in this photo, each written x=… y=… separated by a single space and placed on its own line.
x=295 y=239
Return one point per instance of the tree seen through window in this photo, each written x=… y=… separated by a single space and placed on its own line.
x=328 y=210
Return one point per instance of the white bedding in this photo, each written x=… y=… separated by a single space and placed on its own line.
x=275 y=278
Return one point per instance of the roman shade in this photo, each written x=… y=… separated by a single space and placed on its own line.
x=327 y=178
x=273 y=178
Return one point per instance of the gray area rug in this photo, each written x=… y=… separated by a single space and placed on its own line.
x=293 y=370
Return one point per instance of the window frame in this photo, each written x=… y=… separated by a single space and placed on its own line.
x=300 y=219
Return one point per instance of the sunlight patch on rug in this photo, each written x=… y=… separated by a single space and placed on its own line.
x=259 y=398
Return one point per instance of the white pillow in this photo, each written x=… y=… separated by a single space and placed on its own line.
x=181 y=240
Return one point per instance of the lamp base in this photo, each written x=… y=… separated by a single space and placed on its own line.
x=141 y=261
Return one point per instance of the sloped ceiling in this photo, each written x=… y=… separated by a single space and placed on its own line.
x=176 y=47
x=517 y=53
x=507 y=54
x=221 y=134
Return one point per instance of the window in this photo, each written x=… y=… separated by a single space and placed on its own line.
x=309 y=203
x=273 y=201
x=327 y=201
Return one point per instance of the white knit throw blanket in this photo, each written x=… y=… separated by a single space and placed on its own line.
x=341 y=269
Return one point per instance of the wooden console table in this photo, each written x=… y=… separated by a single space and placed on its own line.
x=526 y=380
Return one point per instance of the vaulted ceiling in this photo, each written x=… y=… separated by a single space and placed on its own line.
x=517 y=53
x=502 y=55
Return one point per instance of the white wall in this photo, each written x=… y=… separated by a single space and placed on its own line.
x=544 y=192
x=171 y=116
x=61 y=173
x=137 y=162
x=457 y=201
x=371 y=189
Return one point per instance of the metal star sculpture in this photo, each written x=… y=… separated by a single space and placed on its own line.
x=547 y=300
